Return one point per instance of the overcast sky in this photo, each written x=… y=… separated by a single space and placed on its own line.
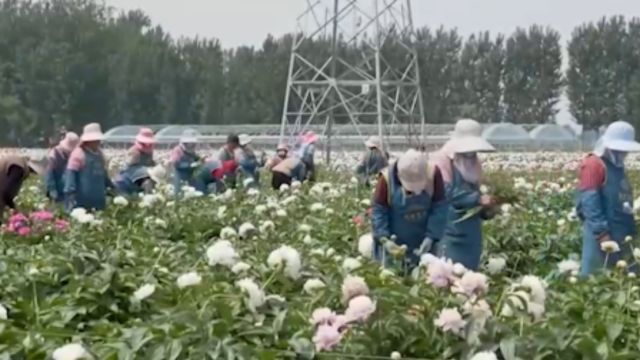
x=238 y=22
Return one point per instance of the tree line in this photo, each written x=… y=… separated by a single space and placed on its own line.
x=68 y=62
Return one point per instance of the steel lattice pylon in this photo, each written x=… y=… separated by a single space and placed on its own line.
x=353 y=62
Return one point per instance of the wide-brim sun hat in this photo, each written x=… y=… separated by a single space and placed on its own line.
x=413 y=171
x=282 y=147
x=189 y=136
x=145 y=136
x=156 y=173
x=92 y=132
x=620 y=136
x=467 y=137
x=373 y=142
x=310 y=137
x=244 y=139
x=70 y=141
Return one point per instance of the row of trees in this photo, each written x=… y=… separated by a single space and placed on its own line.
x=67 y=62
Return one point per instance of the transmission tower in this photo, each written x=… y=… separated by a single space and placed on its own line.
x=353 y=62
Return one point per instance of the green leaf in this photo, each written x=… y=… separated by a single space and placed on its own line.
x=508 y=348
x=303 y=347
x=176 y=349
x=613 y=331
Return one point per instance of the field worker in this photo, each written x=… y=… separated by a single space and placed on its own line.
x=289 y=169
x=14 y=169
x=373 y=161
x=306 y=152
x=141 y=153
x=87 y=179
x=228 y=153
x=247 y=161
x=461 y=171
x=185 y=160
x=407 y=194
x=282 y=151
x=58 y=158
x=140 y=179
x=605 y=200
x=210 y=176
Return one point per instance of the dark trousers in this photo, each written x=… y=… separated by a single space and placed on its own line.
x=278 y=178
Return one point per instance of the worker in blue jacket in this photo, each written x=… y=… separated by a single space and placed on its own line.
x=374 y=160
x=407 y=195
x=605 y=200
x=185 y=160
x=467 y=207
x=141 y=179
x=58 y=158
x=248 y=162
x=86 y=178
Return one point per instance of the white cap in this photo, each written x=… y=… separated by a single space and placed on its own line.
x=244 y=139
x=92 y=132
x=373 y=142
x=413 y=171
x=619 y=136
x=189 y=136
x=467 y=137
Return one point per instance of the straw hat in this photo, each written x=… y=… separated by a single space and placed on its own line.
x=467 y=137
x=92 y=132
x=145 y=136
x=619 y=136
x=35 y=167
x=70 y=141
x=157 y=173
x=412 y=171
x=244 y=139
x=189 y=136
x=373 y=142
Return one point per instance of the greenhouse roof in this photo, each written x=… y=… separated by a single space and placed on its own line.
x=552 y=132
x=506 y=132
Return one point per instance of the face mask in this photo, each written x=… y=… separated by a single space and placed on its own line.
x=189 y=147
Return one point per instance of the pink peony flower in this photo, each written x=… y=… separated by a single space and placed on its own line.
x=61 y=225
x=450 y=320
x=326 y=337
x=360 y=308
x=472 y=283
x=440 y=273
x=42 y=215
x=17 y=218
x=323 y=316
x=24 y=231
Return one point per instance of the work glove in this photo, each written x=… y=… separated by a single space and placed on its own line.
x=194 y=164
x=395 y=250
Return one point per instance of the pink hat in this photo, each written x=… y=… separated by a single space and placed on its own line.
x=282 y=146
x=92 y=132
x=70 y=141
x=145 y=136
x=309 y=137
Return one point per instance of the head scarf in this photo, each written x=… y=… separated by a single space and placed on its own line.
x=469 y=166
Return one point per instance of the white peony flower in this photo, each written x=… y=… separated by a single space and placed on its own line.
x=307 y=240
x=289 y=200
x=496 y=265
x=222 y=253
x=120 y=201
x=228 y=233
x=260 y=209
x=536 y=287
x=459 y=269
x=71 y=352
x=240 y=267
x=573 y=280
x=365 y=202
x=189 y=279
x=267 y=226
x=312 y=285
x=486 y=355
x=610 y=247
x=281 y=213
x=296 y=184
x=256 y=295
x=621 y=264
x=365 y=245
x=316 y=207
x=304 y=228
x=246 y=229
x=289 y=257
x=144 y=292
x=568 y=266
x=284 y=187
x=353 y=286
x=636 y=254
x=395 y=356
x=3 y=312
x=349 y=264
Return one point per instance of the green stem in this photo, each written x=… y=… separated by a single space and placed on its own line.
x=35 y=303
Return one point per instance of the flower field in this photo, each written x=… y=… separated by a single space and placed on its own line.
x=288 y=274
